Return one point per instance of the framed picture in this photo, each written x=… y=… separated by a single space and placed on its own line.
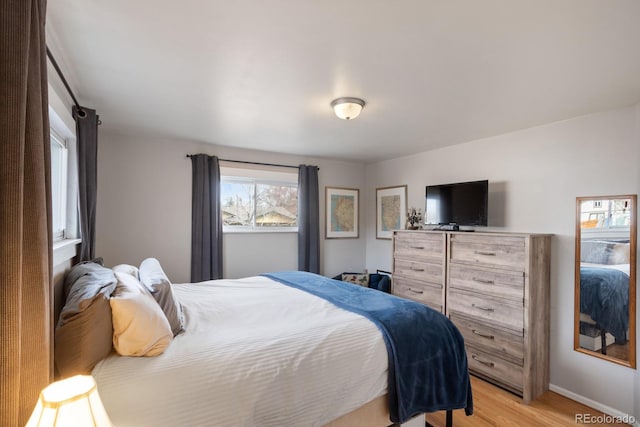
x=341 y=213
x=391 y=210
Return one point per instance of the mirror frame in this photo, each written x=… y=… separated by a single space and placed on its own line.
x=632 y=283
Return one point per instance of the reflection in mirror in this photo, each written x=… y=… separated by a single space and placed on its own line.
x=605 y=271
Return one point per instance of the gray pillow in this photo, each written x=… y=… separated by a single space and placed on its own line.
x=604 y=252
x=595 y=251
x=73 y=274
x=153 y=278
x=84 y=333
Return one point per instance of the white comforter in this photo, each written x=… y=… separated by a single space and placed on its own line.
x=255 y=353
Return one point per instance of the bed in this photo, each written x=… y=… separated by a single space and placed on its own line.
x=604 y=298
x=604 y=291
x=292 y=349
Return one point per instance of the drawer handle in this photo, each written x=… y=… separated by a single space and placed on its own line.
x=485 y=253
x=482 y=335
x=416 y=292
x=416 y=247
x=489 y=282
x=484 y=362
x=416 y=269
x=482 y=308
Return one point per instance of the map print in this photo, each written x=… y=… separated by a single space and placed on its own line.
x=342 y=212
x=390 y=212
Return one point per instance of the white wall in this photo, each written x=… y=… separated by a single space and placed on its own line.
x=534 y=177
x=144 y=210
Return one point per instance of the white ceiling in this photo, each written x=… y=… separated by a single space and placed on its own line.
x=261 y=74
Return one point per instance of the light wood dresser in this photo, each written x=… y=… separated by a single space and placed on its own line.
x=419 y=267
x=495 y=288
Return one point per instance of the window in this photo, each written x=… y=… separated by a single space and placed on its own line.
x=59 y=156
x=258 y=200
x=64 y=172
x=605 y=214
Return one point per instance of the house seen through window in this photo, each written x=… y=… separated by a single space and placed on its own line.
x=259 y=200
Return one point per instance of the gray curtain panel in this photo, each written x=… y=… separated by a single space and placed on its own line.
x=308 y=219
x=87 y=134
x=206 y=219
x=25 y=211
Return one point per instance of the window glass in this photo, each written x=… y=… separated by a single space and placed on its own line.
x=605 y=214
x=256 y=200
x=237 y=202
x=58 y=185
x=276 y=205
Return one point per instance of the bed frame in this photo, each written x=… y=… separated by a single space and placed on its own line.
x=376 y=414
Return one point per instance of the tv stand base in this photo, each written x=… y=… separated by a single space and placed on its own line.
x=448 y=227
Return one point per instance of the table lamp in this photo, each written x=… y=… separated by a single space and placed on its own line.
x=70 y=402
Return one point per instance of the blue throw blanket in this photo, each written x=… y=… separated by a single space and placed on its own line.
x=604 y=295
x=427 y=361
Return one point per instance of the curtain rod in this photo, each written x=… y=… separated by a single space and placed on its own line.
x=255 y=163
x=64 y=81
x=81 y=112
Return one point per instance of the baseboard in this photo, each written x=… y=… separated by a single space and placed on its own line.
x=595 y=405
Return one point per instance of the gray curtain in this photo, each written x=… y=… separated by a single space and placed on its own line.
x=87 y=134
x=206 y=219
x=308 y=219
x=25 y=211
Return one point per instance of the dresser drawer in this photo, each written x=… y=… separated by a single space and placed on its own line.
x=420 y=246
x=420 y=270
x=494 y=311
x=422 y=292
x=492 y=251
x=506 y=344
x=500 y=283
x=495 y=368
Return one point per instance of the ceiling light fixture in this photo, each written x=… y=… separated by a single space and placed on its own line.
x=347 y=108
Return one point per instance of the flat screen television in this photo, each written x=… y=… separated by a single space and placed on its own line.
x=462 y=203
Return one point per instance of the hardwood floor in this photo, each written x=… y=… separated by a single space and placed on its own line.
x=619 y=351
x=496 y=407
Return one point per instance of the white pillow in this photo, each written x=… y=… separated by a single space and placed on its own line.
x=131 y=270
x=140 y=328
x=153 y=278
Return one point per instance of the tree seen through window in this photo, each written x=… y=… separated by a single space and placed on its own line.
x=255 y=204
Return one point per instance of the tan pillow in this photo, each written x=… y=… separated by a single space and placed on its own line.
x=84 y=333
x=85 y=339
x=140 y=328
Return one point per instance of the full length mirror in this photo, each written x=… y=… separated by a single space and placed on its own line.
x=605 y=272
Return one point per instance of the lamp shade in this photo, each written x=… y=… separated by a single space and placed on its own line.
x=347 y=108
x=70 y=402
